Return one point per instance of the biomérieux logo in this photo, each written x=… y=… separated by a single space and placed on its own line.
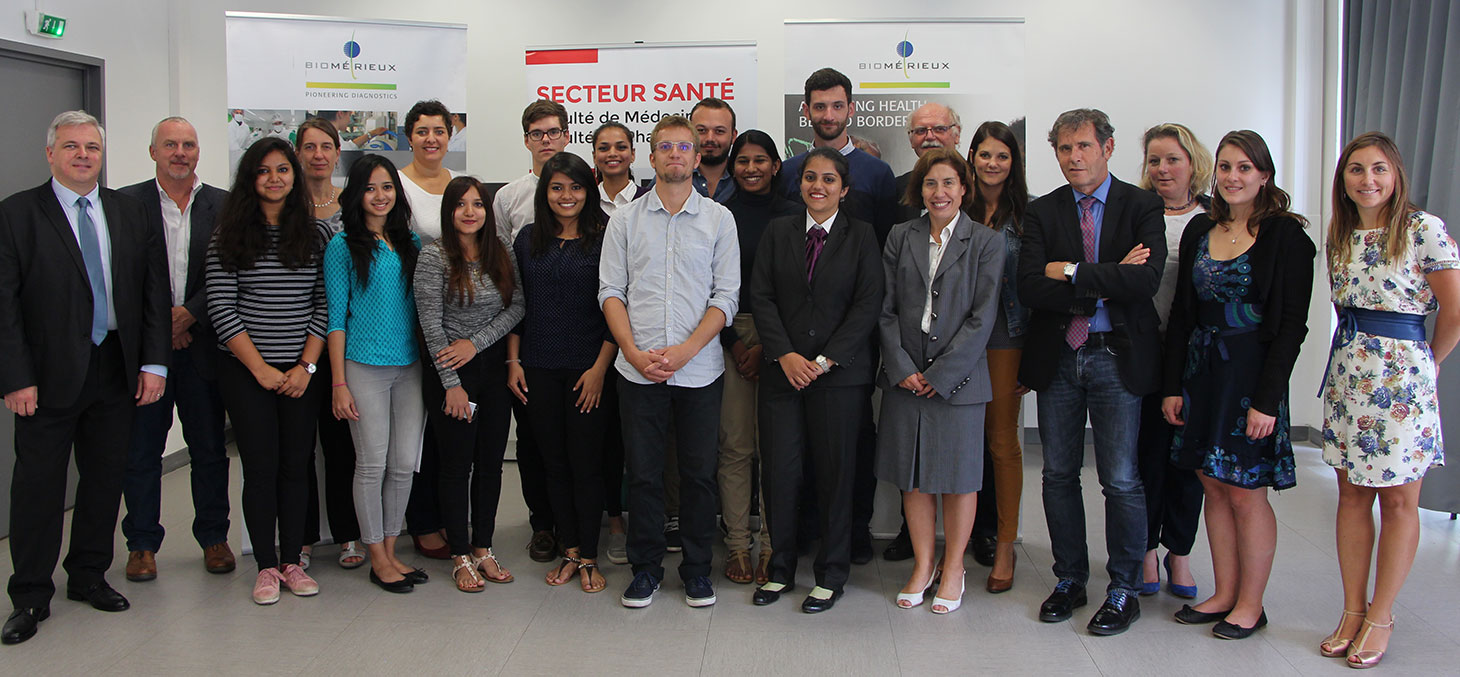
x=352 y=50
x=905 y=50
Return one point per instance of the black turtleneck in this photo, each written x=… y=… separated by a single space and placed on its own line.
x=752 y=212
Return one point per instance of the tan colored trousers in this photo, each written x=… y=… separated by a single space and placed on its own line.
x=1002 y=428
x=739 y=446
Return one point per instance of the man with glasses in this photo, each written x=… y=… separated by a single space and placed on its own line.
x=932 y=125
x=669 y=282
x=544 y=133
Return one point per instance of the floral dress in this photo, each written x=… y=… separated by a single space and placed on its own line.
x=1224 y=359
x=1381 y=418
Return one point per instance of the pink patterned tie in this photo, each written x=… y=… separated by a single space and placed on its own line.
x=1079 y=329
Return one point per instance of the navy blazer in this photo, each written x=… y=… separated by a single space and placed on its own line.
x=202 y=220
x=1052 y=233
x=45 y=295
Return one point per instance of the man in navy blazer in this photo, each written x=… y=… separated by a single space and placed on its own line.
x=1089 y=263
x=84 y=332
x=184 y=209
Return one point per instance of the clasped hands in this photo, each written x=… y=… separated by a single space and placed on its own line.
x=658 y=364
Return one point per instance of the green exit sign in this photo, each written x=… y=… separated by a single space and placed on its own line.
x=46 y=25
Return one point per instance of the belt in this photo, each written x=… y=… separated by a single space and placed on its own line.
x=1351 y=321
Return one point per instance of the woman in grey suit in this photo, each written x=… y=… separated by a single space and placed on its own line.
x=942 y=274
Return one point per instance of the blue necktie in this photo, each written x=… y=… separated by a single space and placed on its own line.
x=91 y=254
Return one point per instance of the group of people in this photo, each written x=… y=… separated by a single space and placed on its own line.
x=585 y=303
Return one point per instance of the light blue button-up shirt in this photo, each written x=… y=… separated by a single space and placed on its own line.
x=668 y=270
x=1100 y=321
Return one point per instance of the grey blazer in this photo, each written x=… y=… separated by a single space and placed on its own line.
x=952 y=357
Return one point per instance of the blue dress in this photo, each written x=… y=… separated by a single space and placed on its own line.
x=1223 y=363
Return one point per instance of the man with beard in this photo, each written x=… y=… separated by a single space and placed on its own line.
x=873 y=199
x=714 y=122
x=669 y=282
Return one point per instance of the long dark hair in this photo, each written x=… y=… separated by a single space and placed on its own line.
x=493 y=253
x=1270 y=200
x=756 y=137
x=241 y=238
x=1014 y=196
x=591 y=221
x=397 y=222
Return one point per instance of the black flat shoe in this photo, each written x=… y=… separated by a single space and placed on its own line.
x=763 y=597
x=983 y=549
x=1190 y=616
x=814 y=605
x=1226 y=630
x=1115 y=615
x=402 y=585
x=101 y=597
x=417 y=576
x=900 y=548
x=22 y=624
x=1061 y=604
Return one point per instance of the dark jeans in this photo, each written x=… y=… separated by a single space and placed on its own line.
x=647 y=411
x=470 y=452
x=571 y=444
x=100 y=417
x=1173 y=495
x=1088 y=380
x=339 y=479
x=821 y=423
x=275 y=436
x=200 y=409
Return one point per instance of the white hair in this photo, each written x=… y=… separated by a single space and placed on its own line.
x=953 y=119
x=72 y=118
x=158 y=127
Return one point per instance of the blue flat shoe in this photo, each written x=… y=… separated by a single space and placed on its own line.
x=1182 y=591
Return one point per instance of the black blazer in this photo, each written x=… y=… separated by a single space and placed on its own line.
x=1052 y=233
x=833 y=315
x=45 y=295
x=1282 y=264
x=202 y=220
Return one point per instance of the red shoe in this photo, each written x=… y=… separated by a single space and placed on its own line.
x=442 y=552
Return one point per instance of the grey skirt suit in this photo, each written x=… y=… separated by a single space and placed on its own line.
x=935 y=445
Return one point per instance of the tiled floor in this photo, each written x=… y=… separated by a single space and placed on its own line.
x=188 y=621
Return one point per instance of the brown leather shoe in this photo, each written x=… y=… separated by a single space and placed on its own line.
x=763 y=567
x=737 y=567
x=998 y=585
x=141 y=565
x=218 y=558
x=542 y=548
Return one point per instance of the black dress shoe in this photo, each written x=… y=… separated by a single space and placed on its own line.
x=861 y=547
x=417 y=577
x=813 y=605
x=22 y=624
x=983 y=548
x=763 y=597
x=1227 y=630
x=1190 y=616
x=1115 y=615
x=900 y=548
x=402 y=585
x=101 y=597
x=1061 y=604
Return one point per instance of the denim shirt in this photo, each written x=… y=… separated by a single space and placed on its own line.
x=1014 y=313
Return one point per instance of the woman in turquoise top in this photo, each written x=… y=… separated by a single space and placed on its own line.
x=368 y=269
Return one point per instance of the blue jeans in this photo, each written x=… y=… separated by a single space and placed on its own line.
x=200 y=409
x=1087 y=380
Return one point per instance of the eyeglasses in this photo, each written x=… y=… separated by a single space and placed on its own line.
x=938 y=130
x=682 y=146
x=536 y=135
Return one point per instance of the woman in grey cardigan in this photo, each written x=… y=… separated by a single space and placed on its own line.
x=941 y=300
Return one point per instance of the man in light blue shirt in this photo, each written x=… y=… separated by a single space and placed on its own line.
x=669 y=282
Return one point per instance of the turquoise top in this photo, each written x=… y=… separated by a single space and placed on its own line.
x=379 y=321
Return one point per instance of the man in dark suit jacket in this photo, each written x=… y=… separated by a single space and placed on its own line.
x=184 y=209
x=1089 y=264
x=84 y=332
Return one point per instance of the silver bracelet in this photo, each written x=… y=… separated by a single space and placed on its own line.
x=512 y=361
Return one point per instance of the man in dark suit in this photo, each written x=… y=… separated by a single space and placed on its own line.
x=1090 y=261
x=84 y=332
x=184 y=209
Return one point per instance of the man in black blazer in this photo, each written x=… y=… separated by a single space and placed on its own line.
x=84 y=332
x=184 y=209
x=1089 y=264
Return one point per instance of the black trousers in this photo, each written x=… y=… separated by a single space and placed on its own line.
x=647 y=411
x=531 y=471
x=824 y=424
x=571 y=443
x=864 y=480
x=986 y=520
x=99 y=424
x=613 y=449
x=275 y=437
x=1173 y=495
x=423 y=508
x=469 y=477
x=339 y=476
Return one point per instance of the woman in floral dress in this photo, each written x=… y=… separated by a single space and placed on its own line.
x=1390 y=265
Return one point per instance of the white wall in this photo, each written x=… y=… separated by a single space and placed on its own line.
x=1215 y=67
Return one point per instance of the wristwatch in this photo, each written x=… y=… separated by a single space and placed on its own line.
x=309 y=367
x=1070 y=272
x=824 y=363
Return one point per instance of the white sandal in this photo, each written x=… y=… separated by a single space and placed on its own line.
x=479 y=561
x=351 y=550
x=470 y=564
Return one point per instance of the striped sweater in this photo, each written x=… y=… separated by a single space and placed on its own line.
x=279 y=307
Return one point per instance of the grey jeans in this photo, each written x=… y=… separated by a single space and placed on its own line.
x=387 y=444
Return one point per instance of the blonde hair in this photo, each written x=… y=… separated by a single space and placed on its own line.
x=1393 y=217
x=1202 y=164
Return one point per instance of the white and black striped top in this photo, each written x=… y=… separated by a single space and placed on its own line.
x=278 y=306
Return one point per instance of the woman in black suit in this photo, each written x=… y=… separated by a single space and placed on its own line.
x=814 y=293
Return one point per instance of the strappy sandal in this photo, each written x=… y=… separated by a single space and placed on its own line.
x=1359 y=655
x=351 y=557
x=587 y=569
x=474 y=581
x=504 y=576
x=1336 y=645
x=556 y=577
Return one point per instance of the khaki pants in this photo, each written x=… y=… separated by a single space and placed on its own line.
x=1002 y=427
x=739 y=446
